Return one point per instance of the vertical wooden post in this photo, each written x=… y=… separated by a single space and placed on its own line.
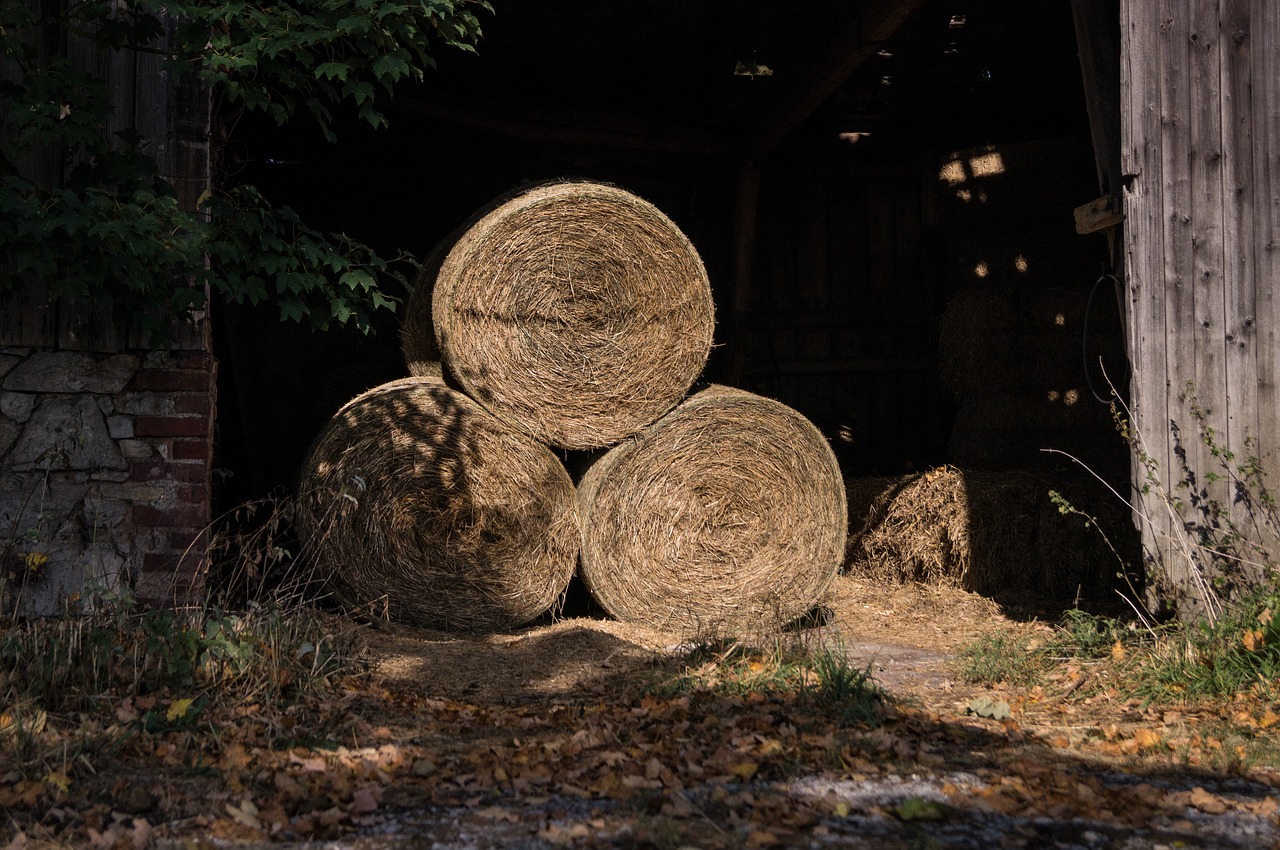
x=1264 y=238
x=1201 y=143
x=1097 y=36
x=745 y=214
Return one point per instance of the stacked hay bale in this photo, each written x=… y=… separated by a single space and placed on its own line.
x=1023 y=366
x=418 y=502
x=728 y=513
x=572 y=316
x=576 y=311
x=996 y=532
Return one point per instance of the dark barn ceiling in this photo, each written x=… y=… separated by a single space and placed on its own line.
x=661 y=74
x=600 y=88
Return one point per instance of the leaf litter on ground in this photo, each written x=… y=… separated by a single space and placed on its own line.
x=602 y=757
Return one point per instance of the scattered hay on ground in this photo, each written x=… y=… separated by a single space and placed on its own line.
x=416 y=502
x=575 y=311
x=727 y=513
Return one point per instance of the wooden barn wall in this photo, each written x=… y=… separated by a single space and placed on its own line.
x=1201 y=149
x=843 y=320
x=111 y=439
x=939 y=308
x=172 y=115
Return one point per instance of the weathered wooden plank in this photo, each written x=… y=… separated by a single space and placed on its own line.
x=30 y=319
x=911 y=284
x=845 y=257
x=1206 y=213
x=1177 y=267
x=1238 y=266
x=1144 y=245
x=811 y=288
x=881 y=263
x=1265 y=69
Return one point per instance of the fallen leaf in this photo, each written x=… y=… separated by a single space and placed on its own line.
x=363 y=801
x=985 y=706
x=760 y=838
x=1146 y=738
x=921 y=808
x=1206 y=802
x=178 y=709
x=245 y=814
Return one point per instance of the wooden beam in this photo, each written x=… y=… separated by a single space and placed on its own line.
x=1098 y=42
x=874 y=23
x=1099 y=214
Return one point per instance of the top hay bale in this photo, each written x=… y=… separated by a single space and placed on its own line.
x=575 y=311
x=726 y=514
x=416 y=501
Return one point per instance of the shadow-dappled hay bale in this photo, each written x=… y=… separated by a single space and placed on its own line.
x=576 y=311
x=995 y=533
x=727 y=513
x=415 y=498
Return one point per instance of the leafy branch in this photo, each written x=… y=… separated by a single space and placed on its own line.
x=109 y=229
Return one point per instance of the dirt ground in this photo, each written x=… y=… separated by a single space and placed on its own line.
x=563 y=735
x=907 y=633
x=934 y=775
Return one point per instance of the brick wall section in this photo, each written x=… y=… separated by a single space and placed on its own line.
x=172 y=567
x=105 y=468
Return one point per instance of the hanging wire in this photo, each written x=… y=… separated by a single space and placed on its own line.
x=1084 y=335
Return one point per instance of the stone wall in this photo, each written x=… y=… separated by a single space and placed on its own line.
x=105 y=464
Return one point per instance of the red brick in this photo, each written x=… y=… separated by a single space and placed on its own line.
x=192 y=403
x=187 y=473
x=189 y=516
x=173 y=380
x=192 y=450
x=194 y=360
x=147 y=470
x=186 y=541
x=159 y=562
x=171 y=426
x=193 y=494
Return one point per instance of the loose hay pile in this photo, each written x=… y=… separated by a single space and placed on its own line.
x=417 y=499
x=575 y=311
x=727 y=512
x=994 y=533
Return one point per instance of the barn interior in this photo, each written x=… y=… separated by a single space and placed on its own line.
x=882 y=193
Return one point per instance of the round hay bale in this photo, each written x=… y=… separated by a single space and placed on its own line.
x=727 y=513
x=415 y=500
x=575 y=311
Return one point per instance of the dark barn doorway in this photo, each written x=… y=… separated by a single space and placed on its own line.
x=912 y=282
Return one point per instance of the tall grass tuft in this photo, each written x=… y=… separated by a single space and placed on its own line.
x=105 y=650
